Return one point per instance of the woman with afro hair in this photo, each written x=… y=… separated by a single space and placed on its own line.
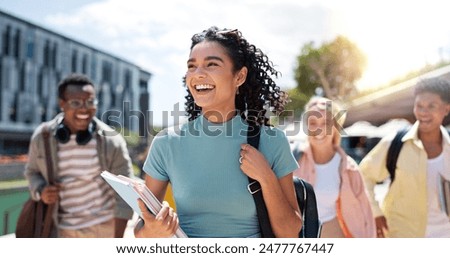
x=208 y=161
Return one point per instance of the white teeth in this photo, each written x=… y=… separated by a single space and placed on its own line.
x=204 y=87
x=82 y=116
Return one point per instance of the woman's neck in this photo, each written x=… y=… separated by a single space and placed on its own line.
x=322 y=154
x=219 y=117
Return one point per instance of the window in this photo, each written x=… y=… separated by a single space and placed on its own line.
x=30 y=44
x=74 y=60
x=6 y=39
x=17 y=43
x=84 y=64
x=127 y=85
x=54 y=55
x=46 y=55
x=93 y=67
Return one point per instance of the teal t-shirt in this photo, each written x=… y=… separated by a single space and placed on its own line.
x=201 y=160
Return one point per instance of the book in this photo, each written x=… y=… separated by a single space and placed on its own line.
x=444 y=194
x=131 y=190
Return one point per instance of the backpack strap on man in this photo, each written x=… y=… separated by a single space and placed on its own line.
x=394 y=152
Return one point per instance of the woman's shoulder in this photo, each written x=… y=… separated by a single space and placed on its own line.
x=274 y=138
x=352 y=165
x=174 y=131
x=272 y=132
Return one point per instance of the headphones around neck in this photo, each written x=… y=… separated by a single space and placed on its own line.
x=62 y=133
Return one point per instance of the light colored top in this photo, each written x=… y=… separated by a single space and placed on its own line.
x=85 y=198
x=438 y=223
x=327 y=188
x=201 y=160
x=352 y=207
x=405 y=203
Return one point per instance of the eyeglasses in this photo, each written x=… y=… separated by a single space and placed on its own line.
x=79 y=103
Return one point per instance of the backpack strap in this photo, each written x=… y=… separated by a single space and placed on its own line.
x=394 y=151
x=48 y=221
x=254 y=188
x=307 y=203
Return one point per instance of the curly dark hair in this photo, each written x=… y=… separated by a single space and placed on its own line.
x=259 y=92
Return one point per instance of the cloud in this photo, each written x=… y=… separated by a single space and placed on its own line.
x=157 y=38
x=395 y=36
x=134 y=26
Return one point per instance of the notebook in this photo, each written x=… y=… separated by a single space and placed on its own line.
x=444 y=194
x=131 y=190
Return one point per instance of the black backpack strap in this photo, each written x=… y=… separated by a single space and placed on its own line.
x=394 y=151
x=306 y=199
x=254 y=188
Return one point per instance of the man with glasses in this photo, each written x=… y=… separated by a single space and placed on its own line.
x=81 y=147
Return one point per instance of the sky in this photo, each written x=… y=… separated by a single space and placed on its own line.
x=396 y=36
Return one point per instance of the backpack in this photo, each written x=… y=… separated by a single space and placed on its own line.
x=394 y=152
x=306 y=199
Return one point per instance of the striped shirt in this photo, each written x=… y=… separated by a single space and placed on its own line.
x=85 y=198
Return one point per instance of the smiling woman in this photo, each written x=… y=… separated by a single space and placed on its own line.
x=343 y=205
x=213 y=81
x=207 y=160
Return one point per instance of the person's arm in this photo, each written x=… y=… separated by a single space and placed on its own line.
x=353 y=173
x=120 y=164
x=279 y=194
x=373 y=170
x=165 y=223
x=33 y=174
x=119 y=227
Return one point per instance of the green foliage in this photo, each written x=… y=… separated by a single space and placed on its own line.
x=297 y=103
x=132 y=138
x=334 y=66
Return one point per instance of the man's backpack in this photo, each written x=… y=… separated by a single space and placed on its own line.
x=306 y=199
x=394 y=152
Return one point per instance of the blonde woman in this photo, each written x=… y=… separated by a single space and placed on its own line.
x=343 y=205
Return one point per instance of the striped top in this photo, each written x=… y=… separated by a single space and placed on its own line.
x=85 y=198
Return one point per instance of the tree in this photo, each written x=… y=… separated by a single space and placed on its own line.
x=294 y=108
x=334 y=67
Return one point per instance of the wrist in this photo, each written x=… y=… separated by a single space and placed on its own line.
x=267 y=178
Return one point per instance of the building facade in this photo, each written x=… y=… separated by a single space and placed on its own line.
x=32 y=62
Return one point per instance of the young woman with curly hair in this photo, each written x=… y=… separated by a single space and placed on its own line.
x=208 y=161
